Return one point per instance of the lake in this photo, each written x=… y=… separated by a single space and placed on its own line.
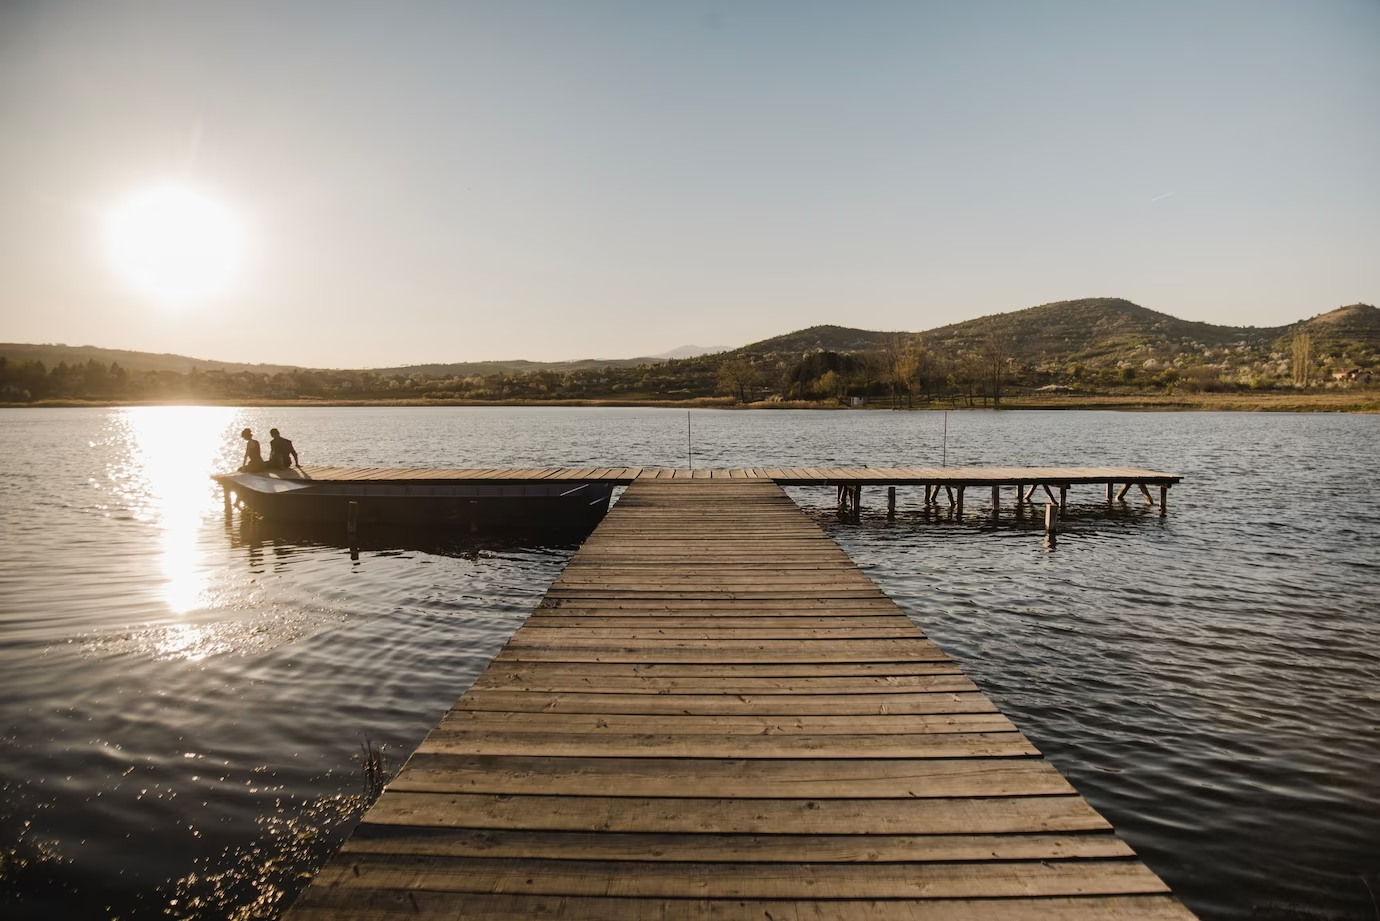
x=183 y=698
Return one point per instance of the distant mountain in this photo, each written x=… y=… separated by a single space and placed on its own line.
x=827 y=338
x=692 y=351
x=1092 y=331
x=517 y=366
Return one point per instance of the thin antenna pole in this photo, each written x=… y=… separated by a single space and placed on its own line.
x=689 y=451
x=945 y=461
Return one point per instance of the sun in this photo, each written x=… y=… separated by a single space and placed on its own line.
x=175 y=244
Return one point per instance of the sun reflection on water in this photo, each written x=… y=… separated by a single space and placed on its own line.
x=173 y=450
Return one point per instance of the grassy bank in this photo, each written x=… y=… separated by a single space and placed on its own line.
x=1348 y=401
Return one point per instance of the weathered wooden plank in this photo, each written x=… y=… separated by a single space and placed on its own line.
x=391 y=904
x=730 y=778
x=463 y=842
x=910 y=816
x=785 y=745
x=472 y=720
x=1003 y=879
x=941 y=677
x=780 y=705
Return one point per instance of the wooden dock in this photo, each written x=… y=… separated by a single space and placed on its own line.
x=715 y=714
x=849 y=481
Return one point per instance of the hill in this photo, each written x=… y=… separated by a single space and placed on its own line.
x=53 y=355
x=1096 y=343
x=816 y=338
x=693 y=351
x=1094 y=331
x=517 y=366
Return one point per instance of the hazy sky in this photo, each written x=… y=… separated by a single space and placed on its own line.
x=448 y=181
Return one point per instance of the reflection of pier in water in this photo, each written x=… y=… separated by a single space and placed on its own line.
x=714 y=713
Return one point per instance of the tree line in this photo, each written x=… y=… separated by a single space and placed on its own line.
x=902 y=370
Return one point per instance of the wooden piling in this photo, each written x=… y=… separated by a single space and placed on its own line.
x=1110 y=486
x=959 y=507
x=1063 y=500
x=1164 y=499
x=996 y=501
x=352 y=519
x=1051 y=529
x=891 y=502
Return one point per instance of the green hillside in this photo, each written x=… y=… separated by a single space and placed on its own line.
x=1094 y=345
x=53 y=355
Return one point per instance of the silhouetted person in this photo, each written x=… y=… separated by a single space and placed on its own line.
x=279 y=450
x=253 y=455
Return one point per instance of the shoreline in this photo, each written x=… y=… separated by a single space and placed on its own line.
x=1366 y=402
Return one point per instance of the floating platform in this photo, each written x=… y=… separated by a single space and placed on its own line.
x=713 y=713
x=282 y=496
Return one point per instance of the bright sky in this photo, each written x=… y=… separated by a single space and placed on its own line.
x=443 y=181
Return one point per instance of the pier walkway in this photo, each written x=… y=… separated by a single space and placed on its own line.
x=714 y=713
x=848 y=480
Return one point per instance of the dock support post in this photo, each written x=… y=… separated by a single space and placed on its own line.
x=1051 y=536
x=959 y=507
x=857 y=502
x=229 y=507
x=1146 y=492
x=352 y=521
x=996 y=501
x=1063 y=500
x=1020 y=495
x=1164 y=498
x=891 y=502
x=1110 y=484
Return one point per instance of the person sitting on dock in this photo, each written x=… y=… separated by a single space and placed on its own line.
x=253 y=455
x=279 y=450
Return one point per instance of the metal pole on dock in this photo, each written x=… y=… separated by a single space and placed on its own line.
x=352 y=528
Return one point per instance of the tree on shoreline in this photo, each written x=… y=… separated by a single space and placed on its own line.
x=737 y=376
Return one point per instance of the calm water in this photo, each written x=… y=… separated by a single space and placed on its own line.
x=182 y=699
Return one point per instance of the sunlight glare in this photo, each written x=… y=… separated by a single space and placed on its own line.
x=175 y=449
x=175 y=244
